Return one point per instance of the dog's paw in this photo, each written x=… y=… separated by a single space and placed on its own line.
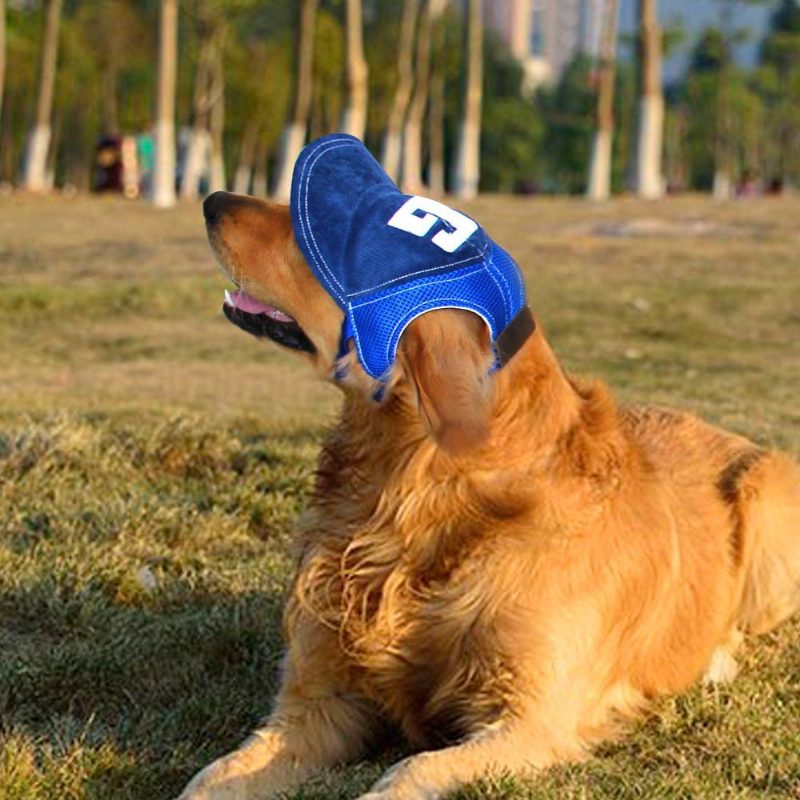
x=218 y=781
x=722 y=668
x=406 y=780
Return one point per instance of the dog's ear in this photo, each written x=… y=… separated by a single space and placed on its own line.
x=446 y=356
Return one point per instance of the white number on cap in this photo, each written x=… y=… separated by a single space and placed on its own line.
x=407 y=219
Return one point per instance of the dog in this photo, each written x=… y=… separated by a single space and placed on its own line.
x=502 y=564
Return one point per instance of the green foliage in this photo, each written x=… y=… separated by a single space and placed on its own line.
x=568 y=109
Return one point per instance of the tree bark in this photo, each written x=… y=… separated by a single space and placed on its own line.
x=2 y=54
x=436 y=116
x=197 y=149
x=467 y=173
x=411 y=172
x=39 y=143
x=216 y=179
x=599 y=187
x=393 y=138
x=164 y=172
x=649 y=180
x=294 y=134
x=247 y=155
x=354 y=120
x=260 y=171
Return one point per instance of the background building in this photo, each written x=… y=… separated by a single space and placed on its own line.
x=545 y=35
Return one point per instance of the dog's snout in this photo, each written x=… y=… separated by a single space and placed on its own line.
x=213 y=205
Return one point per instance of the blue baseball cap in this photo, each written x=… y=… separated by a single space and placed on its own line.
x=386 y=257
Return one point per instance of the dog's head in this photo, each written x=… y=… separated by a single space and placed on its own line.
x=444 y=356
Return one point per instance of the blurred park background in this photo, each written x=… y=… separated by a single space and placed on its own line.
x=153 y=458
x=531 y=96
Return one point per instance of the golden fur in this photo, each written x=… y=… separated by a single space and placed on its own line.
x=505 y=569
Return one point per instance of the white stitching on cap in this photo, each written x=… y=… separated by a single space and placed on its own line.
x=324 y=147
x=308 y=165
x=478 y=254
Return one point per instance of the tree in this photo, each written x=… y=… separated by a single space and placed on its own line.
x=2 y=52
x=294 y=135
x=393 y=138
x=39 y=142
x=568 y=110
x=467 y=168
x=164 y=172
x=649 y=181
x=599 y=185
x=354 y=121
x=436 y=113
x=204 y=98
x=411 y=172
x=779 y=84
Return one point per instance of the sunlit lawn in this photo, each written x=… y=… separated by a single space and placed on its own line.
x=153 y=458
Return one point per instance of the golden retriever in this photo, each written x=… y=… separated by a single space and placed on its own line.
x=502 y=568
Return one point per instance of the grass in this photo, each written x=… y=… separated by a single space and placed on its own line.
x=153 y=459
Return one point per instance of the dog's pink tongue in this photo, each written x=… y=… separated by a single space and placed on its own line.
x=247 y=303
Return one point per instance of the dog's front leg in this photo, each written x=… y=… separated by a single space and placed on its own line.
x=300 y=739
x=316 y=724
x=516 y=746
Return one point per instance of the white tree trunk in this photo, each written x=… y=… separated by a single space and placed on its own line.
x=468 y=153
x=649 y=179
x=599 y=184
x=411 y=166
x=648 y=154
x=195 y=161
x=36 y=179
x=2 y=51
x=392 y=150
x=294 y=137
x=354 y=120
x=600 y=169
x=164 y=172
x=242 y=178
x=216 y=177
x=36 y=159
x=260 y=175
x=722 y=188
x=411 y=181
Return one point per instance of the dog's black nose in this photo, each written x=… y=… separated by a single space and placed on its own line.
x=213 y=205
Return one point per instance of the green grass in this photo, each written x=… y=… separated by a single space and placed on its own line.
x=153 y=459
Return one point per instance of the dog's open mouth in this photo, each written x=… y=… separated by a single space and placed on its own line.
x=262 y=320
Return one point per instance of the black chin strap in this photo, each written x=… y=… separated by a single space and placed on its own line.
x=514 y=336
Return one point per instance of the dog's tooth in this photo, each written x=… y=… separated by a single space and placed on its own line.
x=229 y=299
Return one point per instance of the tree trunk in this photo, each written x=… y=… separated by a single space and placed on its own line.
x=411 y=180
x=599 y=187
x=260 y=172
x=196 y=153
x=216 y=180
x=39 y=143
x=354 y=120
x=649 y=180
x=247 y=154
x=164 y=172
x=294 y=135
x=436 y=116
x=393 y=138
x=467 y=174
x=2 y=54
